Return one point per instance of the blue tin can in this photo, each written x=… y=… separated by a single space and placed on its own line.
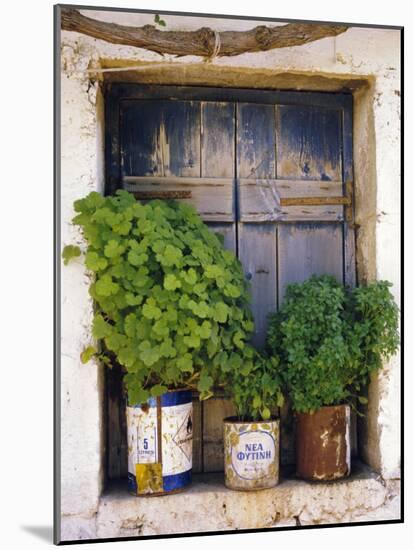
x=160 y=443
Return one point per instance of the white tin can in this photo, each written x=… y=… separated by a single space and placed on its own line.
x=251 y=454
x=160 y=440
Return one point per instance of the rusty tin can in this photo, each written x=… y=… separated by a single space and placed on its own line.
x=323 y=448
x=160 y=441
x=251 y=454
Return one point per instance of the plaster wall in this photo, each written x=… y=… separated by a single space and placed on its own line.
x=363 y=60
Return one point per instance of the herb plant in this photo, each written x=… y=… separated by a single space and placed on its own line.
x=171 y=303
x=330 y=339
x=255 y=386
x=372 y=331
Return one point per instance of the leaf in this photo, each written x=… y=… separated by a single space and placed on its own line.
x=238 y=339
x=205 y=383
x=189 y=277
x=70 y=251
x=220 y=313
x=232 y=291
x=171 y=282
x=123 y=228
x=148 y=355
x=133 y=299
x=160 y=328
x=95 y=262
x=87 y=354
x=192 y=341
x=246 y=369
x=158 y=247
x=100 y=328
x=113 y=249
x=200 y=309
x=105 y=286
x=115 y=341
x=136 y=259
x=127 y=356
x=185 y=363
x=136 y=394
x=235 y=361
x=170 y=257
x=204 y=330
x=257 y=401
x=130 y=325
x=158 y=390
x=150 y=310
x=167 y=349
x=363 y=400
x=265 y=413
x=90 y=203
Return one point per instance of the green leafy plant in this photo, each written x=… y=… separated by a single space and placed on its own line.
x=255 y=385
x=330 y=339
x=159 y=21
x=371 y=331
x=171 y=303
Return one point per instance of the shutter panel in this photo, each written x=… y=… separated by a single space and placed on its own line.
x=270 y=171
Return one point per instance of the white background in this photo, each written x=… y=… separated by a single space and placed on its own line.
x=26 y=124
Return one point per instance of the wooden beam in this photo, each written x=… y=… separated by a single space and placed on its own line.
x=314 y=201
x=202 y=42
x=147 y=195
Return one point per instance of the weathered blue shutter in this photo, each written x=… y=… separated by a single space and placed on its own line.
x=271 y=171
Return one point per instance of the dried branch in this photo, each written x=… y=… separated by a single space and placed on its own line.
x=202 y=42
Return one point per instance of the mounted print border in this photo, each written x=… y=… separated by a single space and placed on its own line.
x=285 y=137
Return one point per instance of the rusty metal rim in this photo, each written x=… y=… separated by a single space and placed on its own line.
x=324 y=407
x=327 y=479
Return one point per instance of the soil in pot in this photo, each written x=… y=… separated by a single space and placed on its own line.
x=251 y=454
x=160 y=440
x=323 y=447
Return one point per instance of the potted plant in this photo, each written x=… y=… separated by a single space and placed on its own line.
x=330 y=339
x=251 y=439
x=170 y=300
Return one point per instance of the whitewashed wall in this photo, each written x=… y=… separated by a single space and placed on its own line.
x=367 y=57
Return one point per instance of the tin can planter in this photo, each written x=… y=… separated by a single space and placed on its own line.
x=323 y=448
x=251 y=454
x=160 y=442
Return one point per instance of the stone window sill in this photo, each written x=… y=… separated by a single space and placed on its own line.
x=209 y=506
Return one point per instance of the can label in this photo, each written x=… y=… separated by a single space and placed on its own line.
x=177 y=439
x=171 y=450
x=251 y=454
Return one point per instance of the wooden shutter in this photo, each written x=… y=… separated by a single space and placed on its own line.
x=271 y=171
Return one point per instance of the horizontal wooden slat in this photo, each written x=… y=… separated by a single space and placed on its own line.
x=263 y=200
x=172 y=180
x=312 y=213
x=130 y=91
x=212 y=197
x=314 y=201
x=148 y=195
